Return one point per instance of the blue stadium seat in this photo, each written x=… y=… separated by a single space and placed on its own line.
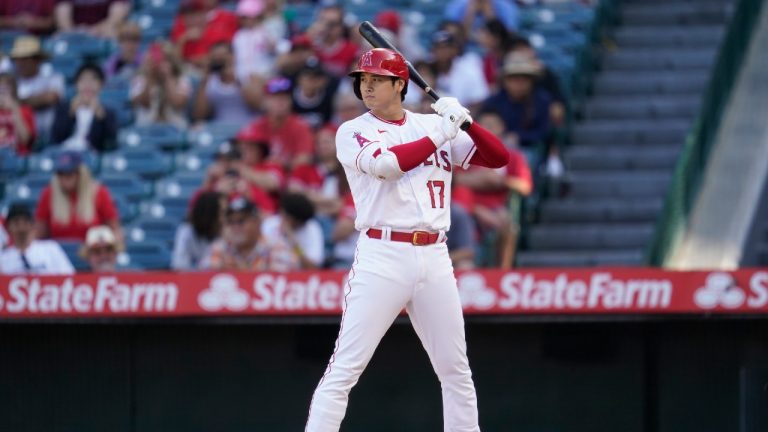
x=127 y=185
x=192 y=162
x=210 y=136
x=173 y=208
x=178 y=186
x=76 y=45
x=43 y=162
x=7 y=37
x=28 y=187
x=72 y=249
x=126 y=208
x=11 y=164
x=66 y=65
x=148 y=254
x=149 y=164
x=159 y=135
x=149 y=228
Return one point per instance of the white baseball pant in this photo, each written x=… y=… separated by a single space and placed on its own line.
x=386 y=277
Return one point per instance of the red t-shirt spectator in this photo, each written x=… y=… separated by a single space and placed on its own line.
x=338 y=58
x=11 y=10
x=8 y=132
x=309 y=176
x=516 y=168
x=220 y=26
x=294 y=138
x=104 y=213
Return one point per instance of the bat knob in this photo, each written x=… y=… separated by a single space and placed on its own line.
x=452 y=118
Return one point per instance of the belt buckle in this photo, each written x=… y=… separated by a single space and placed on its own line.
x=420 y=238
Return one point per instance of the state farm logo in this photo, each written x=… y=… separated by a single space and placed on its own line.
x=474 y=292
x=223 y=293
x=719 y=290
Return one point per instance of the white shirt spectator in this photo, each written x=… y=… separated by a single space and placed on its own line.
x=282 y=257
x=45 y=80
x=3 y=237
x=464 y=81
x=79 y=139
x=190 y=252
x=42 y=257
x=254 y=53
x=227 y=102
x=160 y=110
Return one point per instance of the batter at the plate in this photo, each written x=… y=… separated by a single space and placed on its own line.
x=399 y=165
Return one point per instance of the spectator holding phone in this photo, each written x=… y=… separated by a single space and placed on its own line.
x=17 y=121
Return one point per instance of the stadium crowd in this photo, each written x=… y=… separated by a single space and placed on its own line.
x=271 y=193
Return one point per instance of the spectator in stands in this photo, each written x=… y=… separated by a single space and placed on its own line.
x=546 y=79
x=200 y=24
x=344 y=236
x=458 y=74
x=100 y=249
x=274 y=19
x=474 y=13
x=194 y=238
x=265 y=177
x=220 y=96
x=85 y=123
x=254 y=44
x=523 y=106
x=125 y=62
x=27 y=254
x=40 y=91
x=404 y=36
x=17 y=121
x=4 y=239
x=100 y=18
x=323 y=181
x=313 y=94
x=461 y=238
x=290 y=62
x=160 y=92
x=417 y=100
x=497 y=194
x=34 y=17
x=294 y=238
x=289 y=136
x=496 y=41
x=241 y=246
x=74 y=201
x=330 y=38
x=346 y=107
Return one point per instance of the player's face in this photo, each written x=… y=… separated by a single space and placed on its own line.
x=380 y=92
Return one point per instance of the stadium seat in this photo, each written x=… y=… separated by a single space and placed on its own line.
x=150 y=228
x=78 y=44
x=72 y=249
x=11 y=164
x=159 y=135
x=192 y=162
x=208 y=138
x=178 y=186
x=28 y=187
x=148 y=254
x=66 y=65
x=127 y=185
x=149 y=164
x=127 y=209
x=43 y=162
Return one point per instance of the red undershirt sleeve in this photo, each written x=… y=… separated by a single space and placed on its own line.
x=412 y=154
x=490 y=150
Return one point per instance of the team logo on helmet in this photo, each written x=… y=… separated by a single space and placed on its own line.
x=366 y=59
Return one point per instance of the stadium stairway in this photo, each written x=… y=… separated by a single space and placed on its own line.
x=625 y=147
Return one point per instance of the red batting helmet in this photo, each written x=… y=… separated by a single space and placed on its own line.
x=380 y=61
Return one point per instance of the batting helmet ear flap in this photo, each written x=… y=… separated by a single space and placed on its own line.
x=356 y=87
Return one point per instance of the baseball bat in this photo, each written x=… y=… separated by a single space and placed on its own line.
x=377 y=40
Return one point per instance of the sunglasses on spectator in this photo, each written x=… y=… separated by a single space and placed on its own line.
x=236 y=221
x=101 y=250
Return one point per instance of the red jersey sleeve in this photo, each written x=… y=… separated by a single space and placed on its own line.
x=23 y=148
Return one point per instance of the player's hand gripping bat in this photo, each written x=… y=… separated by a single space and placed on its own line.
x=377 y=40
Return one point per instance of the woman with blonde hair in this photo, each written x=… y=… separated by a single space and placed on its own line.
x=74 y=202
x=160 y=91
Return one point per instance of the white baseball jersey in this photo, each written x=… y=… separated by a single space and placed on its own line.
x=421 y=199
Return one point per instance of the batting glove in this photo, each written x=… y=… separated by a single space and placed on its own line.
x=445 y=131
x=444 y=102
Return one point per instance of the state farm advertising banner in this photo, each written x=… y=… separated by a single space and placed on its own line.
x=560 y=291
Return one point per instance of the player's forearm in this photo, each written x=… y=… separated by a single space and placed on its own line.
x=390 y=164
x=490 y=150
x=412 y=154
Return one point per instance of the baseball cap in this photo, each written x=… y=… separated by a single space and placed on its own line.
x=277 y=85
x=67 y=162
x=521 y=64
x=18 y=210
x=100 y=235
x=300 y=41
x=241 y=205
x=250 y=8
x=252 y=133
x=388 y=19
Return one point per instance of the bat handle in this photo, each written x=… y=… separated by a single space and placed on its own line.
x=464 y=126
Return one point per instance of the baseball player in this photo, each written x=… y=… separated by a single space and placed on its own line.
x=399 y=166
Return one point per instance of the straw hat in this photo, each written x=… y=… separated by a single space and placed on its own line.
x=521 y=64
x=26 y=47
